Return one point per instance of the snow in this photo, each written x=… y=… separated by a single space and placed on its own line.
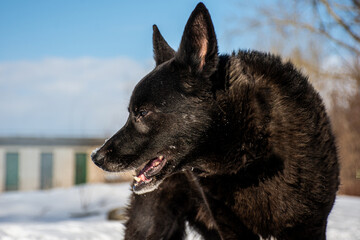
x=80 y=213
x=344 y=220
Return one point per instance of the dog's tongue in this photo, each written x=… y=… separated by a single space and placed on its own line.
x=149 y=170
x=141 y=178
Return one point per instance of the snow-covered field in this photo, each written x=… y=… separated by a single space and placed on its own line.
x=80 y=213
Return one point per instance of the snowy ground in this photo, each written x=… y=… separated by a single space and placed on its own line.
x=59 y=214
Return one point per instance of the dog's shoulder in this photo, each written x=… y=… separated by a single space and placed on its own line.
x=261 y=67
x=265 y=74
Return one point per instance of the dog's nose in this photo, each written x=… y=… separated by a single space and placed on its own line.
x=98 y=157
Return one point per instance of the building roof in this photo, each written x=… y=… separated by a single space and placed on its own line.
x=48 y=141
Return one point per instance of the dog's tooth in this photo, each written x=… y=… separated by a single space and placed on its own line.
x=161 y=158
x=137 y=179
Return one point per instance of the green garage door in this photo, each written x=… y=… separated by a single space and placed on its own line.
x=12 y=172
x=80 y=168
x=46 y=170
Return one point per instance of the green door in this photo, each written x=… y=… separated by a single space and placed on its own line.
x=12 y=172
x=46 y=170
x=80 y=168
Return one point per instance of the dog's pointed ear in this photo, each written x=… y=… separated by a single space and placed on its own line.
x=162 y=50
x=198 y=47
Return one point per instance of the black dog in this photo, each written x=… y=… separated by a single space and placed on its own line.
x=238 y=146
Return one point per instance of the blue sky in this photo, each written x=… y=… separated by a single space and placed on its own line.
x=75 y=28
x=67 y=68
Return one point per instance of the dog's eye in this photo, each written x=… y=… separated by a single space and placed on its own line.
x=143 y=113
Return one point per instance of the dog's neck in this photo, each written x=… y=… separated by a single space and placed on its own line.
x=232 y=123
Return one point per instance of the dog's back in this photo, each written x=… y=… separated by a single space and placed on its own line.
x=289 y=169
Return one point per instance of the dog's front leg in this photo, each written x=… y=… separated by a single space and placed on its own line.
x=159 y=214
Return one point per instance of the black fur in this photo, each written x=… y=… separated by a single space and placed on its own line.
x=248 y=145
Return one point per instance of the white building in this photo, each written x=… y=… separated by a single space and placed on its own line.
x=42 y=163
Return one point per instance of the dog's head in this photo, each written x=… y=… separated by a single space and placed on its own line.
x=170 y=109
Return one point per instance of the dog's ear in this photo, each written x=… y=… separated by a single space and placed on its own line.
x=162 y=50
x=198 y=47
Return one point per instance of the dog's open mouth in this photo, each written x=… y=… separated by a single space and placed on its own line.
x=148 y=172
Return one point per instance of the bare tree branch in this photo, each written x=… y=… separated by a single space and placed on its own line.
x=340 y=21
x=312 y=29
